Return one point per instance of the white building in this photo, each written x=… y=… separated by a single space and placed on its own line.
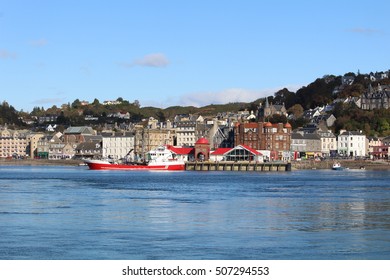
x=13 y=143
x=185 y=133
x=117 y=145
x=351 y=143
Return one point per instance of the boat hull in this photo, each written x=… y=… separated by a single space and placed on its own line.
x=337 y=168
x=99 y=165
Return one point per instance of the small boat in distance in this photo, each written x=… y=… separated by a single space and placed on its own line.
x=337 y=166
x=160 y=158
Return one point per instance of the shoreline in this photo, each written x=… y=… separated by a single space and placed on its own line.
x=40 y=162
x=296 y=165
x=347 y=163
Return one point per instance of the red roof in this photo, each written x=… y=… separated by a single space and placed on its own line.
x=220 y=151
x=253 y=151
x=180 y=150
x=202 y=141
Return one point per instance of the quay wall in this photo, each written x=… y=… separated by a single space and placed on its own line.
x=237 y=166
x=284 y=166
x=351 y=164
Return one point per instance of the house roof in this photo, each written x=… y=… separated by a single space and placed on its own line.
x=181 y=150
x=88 y=146
x=221 y=151
x=351 y=133
x=79 y=130
x=253 y=151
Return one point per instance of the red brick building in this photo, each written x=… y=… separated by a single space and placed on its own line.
x=264 y=136
x=202 y=149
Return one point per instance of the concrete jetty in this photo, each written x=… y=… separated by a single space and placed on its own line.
x=237 y=166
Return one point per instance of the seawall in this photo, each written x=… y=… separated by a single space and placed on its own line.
x=237 y=166
x=351 y=164
x=37 y=162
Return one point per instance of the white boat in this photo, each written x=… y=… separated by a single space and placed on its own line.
x=337 y=166
x=160 y=158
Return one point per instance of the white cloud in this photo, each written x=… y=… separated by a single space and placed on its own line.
x=153 y=60
x=157 y=60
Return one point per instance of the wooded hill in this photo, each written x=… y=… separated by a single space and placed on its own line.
x=318 y=93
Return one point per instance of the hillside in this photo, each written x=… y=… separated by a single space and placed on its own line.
x=320 y=92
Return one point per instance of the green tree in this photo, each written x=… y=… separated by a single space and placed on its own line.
x=62 y=120
x=95 y=102
x=285 y=96
x=296 y=110
x=160 y=116
x=137 y=104
x=76 y=104
x=384 y=126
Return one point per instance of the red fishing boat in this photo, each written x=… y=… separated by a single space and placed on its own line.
x=159 y=159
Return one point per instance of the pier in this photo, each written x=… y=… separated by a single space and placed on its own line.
x=237 y=166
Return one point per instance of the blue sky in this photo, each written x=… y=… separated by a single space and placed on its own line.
x=171 y=52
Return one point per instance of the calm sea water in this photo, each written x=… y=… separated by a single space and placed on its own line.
x=76 y=213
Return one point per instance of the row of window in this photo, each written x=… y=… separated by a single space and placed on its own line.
x=345 y=145
x=345 y=138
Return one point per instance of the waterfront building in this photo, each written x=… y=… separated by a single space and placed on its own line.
x=328 y=141
x=309 y=145
x=151 y=136
x=351 y=144
x=317 y=139
x=380 y=152
x=53 y=147
x=183 y=153
x=89 y=150
x=375 y=147
x=275 y=138
x=117 y=145
x=60 y=150
x=298 y=145
x=238 y=153
x=378 y=148
x=43 y=147
x=32 y=142
x=202 y=149
x=13 y=143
